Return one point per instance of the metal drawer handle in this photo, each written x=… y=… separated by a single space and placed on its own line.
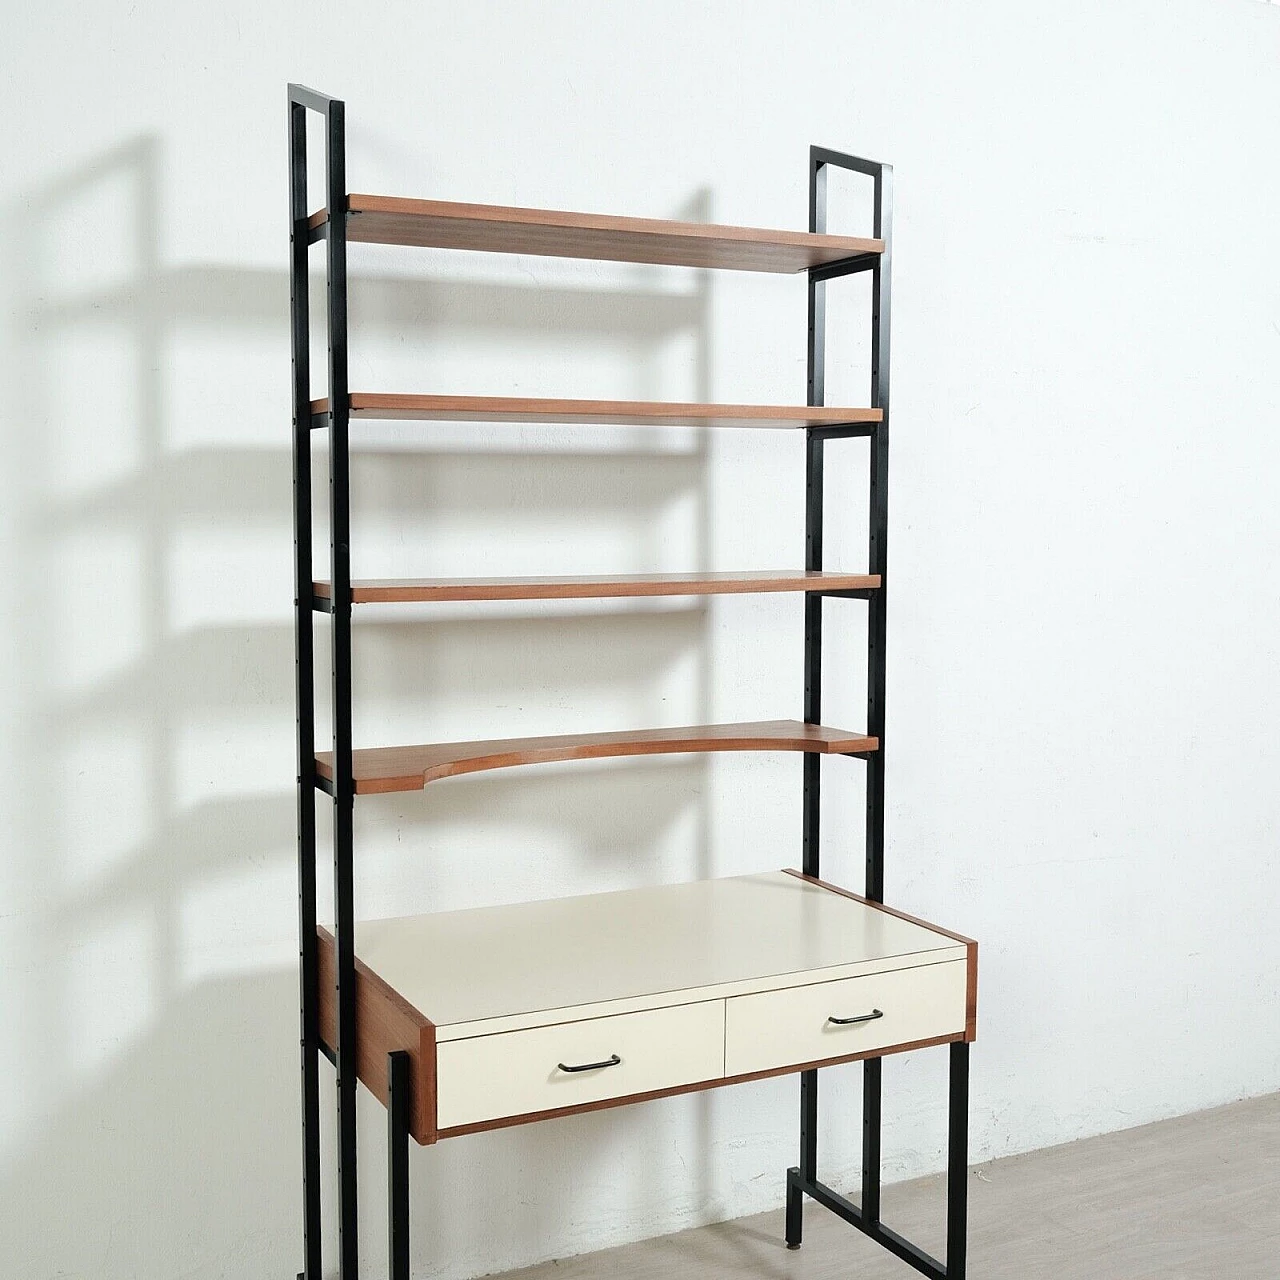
x=612 y=1061
x=862 y=1017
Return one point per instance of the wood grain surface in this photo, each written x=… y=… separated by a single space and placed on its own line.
x=384 y=769
x=599 y=586
x=385 y=1022
x=622 y=413
x=447 y=224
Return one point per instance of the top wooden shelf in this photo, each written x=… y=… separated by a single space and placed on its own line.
x=444 y=224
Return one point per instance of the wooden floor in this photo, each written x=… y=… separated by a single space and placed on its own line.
x=1197 y=1198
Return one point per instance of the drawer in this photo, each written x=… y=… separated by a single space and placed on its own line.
x=793 y=1026
x=518 y=1072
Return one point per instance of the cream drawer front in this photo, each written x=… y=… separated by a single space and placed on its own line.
x=792 y=1026
x=517 y=1073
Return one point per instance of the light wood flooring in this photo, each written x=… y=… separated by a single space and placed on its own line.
x=1195 y=1198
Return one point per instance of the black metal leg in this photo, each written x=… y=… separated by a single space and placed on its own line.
x=795 y=1210
x=801 y=1183
x=808 y=1170
x=958 y=1163
x=398 y=1086
x=871 y=1139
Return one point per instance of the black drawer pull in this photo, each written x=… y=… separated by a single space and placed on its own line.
x=862 y=1017
x=612 y=1061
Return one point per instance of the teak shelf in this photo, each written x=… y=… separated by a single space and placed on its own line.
x=465 y=1021
x=442 y=224
x=595 y=587
x=618 y=413
x=380 y=769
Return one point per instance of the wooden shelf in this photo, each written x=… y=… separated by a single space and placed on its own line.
x=594 y=587
x=621 y=413
x=383 y=769
x=444 y=224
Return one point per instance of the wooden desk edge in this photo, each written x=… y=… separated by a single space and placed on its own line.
x=385 y=1022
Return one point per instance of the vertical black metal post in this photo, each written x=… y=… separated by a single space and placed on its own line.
x=343 y=785
x=958 y=1163
x=878 y=559
x=813 y=522
x=872 y=1080
x=878 y=533
x=304 y=651
x=398 y=1085
x=811 y=804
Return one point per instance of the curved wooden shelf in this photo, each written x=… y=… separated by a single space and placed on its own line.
x=619 y=413
x=383 y=769
x=446 y=224
x=594 y=587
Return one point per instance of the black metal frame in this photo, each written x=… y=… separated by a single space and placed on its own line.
x=342 y=788
x=803 y=1179
x=304 y=643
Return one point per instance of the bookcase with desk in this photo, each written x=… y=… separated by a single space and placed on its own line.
x=470 y=1020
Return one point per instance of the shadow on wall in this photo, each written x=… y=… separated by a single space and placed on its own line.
x=153 y=841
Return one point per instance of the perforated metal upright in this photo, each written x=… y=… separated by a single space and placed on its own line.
x=341 y=788
x=803 y=1179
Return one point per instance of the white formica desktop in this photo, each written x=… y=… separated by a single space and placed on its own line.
x=522 y=1012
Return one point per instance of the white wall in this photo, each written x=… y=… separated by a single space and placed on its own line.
x=1083 y=687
